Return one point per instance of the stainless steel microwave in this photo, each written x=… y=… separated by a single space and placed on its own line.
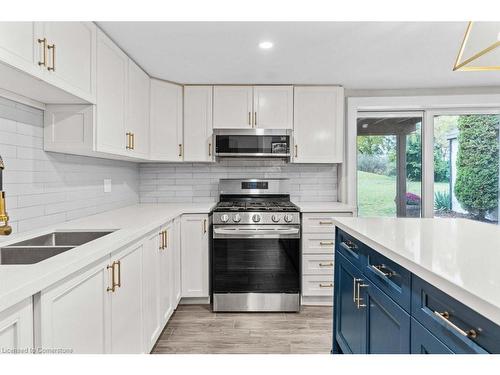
x=253 y=143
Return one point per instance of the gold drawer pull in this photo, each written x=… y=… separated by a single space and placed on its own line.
x=296 y=150
x=250 y=118
x=326 y=223
x=383 y=271
x=326 y=243
x=119 y=283
x=209 y=149
x=165 y=237
x=445 y=316
x=180 y=150
x=326 y=285
x=113 y=287
x=161 y=240
x=53 y=48
x=326 y=264
x=43 y=42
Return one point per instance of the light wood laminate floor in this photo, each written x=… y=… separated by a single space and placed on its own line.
x=195 y=329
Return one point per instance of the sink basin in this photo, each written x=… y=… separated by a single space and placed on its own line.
x=29 y=254
x=62 y=239
x=46 y=246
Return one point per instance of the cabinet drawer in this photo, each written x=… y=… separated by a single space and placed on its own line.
x=351 y=248
x=320 y=222
x=390 y=277
x=317 y=285
x=424 y=342
x=460 y=328
x=318 y=243
x=317 y=264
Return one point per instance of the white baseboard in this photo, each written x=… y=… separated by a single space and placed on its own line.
x=317 y=300
x=194 y=301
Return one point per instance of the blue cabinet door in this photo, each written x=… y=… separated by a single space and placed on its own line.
x=387 y=324
x=349 y=321
x=424 y=342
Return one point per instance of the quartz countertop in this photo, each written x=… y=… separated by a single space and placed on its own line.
x=129 y=224
x=458 y=256
x=324 y=207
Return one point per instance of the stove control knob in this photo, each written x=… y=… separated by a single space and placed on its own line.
x=237 y=218
x=224 y=218
x=256 y=218
x=275 y=218
x=288 y=218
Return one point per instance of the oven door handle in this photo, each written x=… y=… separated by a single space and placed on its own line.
x=234 y=232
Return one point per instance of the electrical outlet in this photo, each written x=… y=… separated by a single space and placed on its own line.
x=107 y=185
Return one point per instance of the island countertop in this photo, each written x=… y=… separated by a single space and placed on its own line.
x=461 y=257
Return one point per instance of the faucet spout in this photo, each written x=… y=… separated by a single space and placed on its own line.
x=5 y=228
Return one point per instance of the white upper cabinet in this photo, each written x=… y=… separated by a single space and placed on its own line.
x=198 y=123
x=71 y=57
x=273 y=107
x=19 y=45
x=112 y=88
x=318 y=124
x=137 y=121
x=233 y=107
x=166 y=121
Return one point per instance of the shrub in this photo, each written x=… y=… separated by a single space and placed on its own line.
x=412 y=199
x=442 y=201
x=372 y=163
x=476 y=186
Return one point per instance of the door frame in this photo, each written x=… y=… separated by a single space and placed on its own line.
x=430 y=106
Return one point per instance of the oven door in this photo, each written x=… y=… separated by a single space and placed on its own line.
x=256 y=259
x=252 y=143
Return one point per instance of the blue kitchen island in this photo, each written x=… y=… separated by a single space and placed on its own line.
x=416 y=286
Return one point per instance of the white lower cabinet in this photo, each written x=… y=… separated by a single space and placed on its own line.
x=16 y=328
x=194 y=255
x=177 y=261
x=166 y=273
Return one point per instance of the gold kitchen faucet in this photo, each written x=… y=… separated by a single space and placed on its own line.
x=5 y=228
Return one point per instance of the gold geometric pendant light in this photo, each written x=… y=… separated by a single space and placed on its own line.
x=481 y=42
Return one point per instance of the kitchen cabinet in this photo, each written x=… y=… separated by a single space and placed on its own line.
x=71 y=57
x=318 y=124
x=166 y=121
x=112 y=96
x=194 y=255
x=177 y=262
x=273 y=107
x=16 y=327
x=166 y=273
x=19 y=46
x=198 y=143
x=137 y=120
x=75 y=313
x=424 y=342
x=233 y=107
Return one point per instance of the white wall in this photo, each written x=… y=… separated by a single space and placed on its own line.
x=160 y=183
x=45 y=188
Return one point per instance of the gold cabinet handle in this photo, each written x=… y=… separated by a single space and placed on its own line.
x=382 y=271
x=180 y=150
x=250 y=118
x=204 y=226
x=359 y=299
x=112 y=267
x=255 y=119
x=43 y=42
x=326 y=223
x=326 y=285
x=326 y=243
x=326 y=264
x=119 y=283
x=160 y=246
x=132 y=135
x=209 y=149
x=445 y=316
x=165 y=239
x=296 y=150
x=53 y=48
x=129 y=145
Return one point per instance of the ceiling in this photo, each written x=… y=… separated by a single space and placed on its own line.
x=357 y=55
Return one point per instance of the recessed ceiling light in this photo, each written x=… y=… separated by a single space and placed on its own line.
x=266 y=45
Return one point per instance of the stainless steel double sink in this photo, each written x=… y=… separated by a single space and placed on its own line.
x=39 y=248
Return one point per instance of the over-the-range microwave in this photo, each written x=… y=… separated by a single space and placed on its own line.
x=252 y=143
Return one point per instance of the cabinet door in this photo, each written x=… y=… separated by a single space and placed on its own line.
x=19 y=45
x=424 y=342
x=387 y=324
x=126 y=303
x=72 y=57
x=75 y=313
x=194 y=255
x=318 y=111
x=112 y=69
x=16 y=327
x=349 y=331
x=166 y=275
x=137 y=121
x=151 y=289
x=177 y=261
x=166 y=121
x=233 y=107
x=198 y=144
x=273 y=107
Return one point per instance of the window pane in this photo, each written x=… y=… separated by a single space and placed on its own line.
x=389 y=166
x=466 y=167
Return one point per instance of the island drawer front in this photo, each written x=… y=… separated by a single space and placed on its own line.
x=390 y=277
x=428 y=302
x=313 y=264
x=321 y=222
x=317 y=285
x=318 y=243
x=351 y=248
x=424 y=342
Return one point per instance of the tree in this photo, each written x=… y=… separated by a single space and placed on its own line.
x=476 y=186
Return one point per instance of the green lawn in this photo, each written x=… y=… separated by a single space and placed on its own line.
x=376 y=193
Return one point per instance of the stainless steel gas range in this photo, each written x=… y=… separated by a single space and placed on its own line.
x=255 y=262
